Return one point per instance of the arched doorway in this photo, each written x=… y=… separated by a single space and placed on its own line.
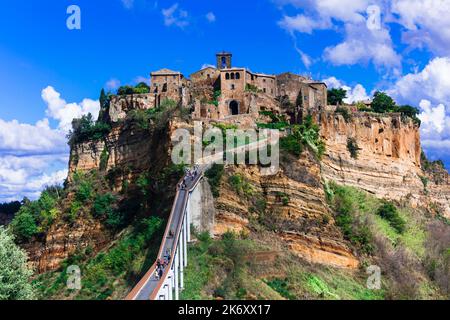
x=234 y=107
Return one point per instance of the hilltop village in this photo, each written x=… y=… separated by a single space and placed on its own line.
x=226 y=91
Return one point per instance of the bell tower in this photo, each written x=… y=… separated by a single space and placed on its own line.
x=223 y=60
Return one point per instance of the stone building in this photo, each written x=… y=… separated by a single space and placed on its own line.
x=168 y=84
x=313 y=95
x=225 y=90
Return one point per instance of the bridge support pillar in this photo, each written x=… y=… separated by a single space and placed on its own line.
x=181 y=260
x=185 y=228
x=177 y=274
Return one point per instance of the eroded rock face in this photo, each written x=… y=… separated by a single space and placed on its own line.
x=388 y=162
x=121 y=105
x=63 y=240
x=125 y=154
x=295 y=202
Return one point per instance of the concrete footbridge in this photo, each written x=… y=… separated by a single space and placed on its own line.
x=165 y=279
x=165 y=282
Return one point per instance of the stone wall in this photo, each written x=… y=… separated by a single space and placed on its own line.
x=121 y=105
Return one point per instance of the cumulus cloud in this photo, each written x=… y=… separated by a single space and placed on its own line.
x=432 y=83
x=429 y=90
x=33 y=156
x=360 y=44
x=354 y=94
x=175 y=16
x=28 y=176
x=211 y=17
x=425 y=23
x=22 y=138
x=64 y=112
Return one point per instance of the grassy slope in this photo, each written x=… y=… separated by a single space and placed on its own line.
x=212 y=274
x=109 y=274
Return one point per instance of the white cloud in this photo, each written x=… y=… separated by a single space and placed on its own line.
x=355 y=94
x=429 y=90
x=304 y=24
x=211 y=17
x=175 y=16
x=33 y=156
x=112 y=84
x=22 y=138
x=28 y=176
x=64 y=112
x=361 y=45
x=425 y=22
x=435 y=129
x=432 y=83
x=128 y=4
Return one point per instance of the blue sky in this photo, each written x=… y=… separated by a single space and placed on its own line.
x=50 y=74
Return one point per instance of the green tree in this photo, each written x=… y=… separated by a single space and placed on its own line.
x=14 y=273
x=336 y=96
x=104 y=100
x=383 y=103
x=409 y=111
x=142 y=88
x=24 y=224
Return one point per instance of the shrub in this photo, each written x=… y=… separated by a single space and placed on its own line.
x=389 y=212
x=336 y=96
x=85 y=192
x=292 y=145
x=345 y=113
x=354 y=230
x=306 y=134
x=353 y=148
x=103 y=205
x=241 y=185
x=85 y=129
x=14 y=273
x=104 y=158
x=383 y=103
x=214 y=176
x=24 y=225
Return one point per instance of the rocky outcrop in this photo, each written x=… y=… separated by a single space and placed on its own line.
x=124 y=154
x=121 y=105
x=388 y=161
x=64 y=240
x=295 y=209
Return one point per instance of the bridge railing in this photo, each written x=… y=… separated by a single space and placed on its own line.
x=173 y=272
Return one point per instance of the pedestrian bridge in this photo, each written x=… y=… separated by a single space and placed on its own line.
x=173 y=248
x=177 y=236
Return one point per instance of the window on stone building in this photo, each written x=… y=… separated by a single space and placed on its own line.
x=232 y=87
x=264 y=90
x=227 y=76
x=253 y=78
x=232 y=76
x=164 y=87
x=238 y=76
